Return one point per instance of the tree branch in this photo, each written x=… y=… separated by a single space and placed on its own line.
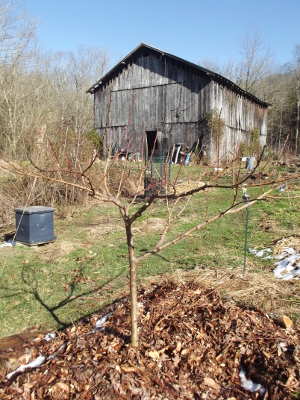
x=198 y=227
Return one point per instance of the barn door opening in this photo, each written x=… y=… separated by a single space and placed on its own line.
x=151 y=136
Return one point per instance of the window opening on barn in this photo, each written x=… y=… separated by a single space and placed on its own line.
x=151 y=136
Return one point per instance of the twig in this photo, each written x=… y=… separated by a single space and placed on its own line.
x=230 y=210
x=161 y=384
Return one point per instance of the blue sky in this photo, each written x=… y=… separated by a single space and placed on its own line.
x=189 y=29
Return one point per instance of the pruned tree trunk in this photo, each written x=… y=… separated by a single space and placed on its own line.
x=133 y=288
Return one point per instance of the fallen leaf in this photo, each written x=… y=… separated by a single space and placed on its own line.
x=154 y=354
x=211 y=383
x=195 y=358
x=152 y=365
x=287 y=322
x=66 y=287
x=96 y=356
x=115 y=345
x=63 y=386
x=40 y=336
x=102 y=361
x=29 y=385
x=128 y=368
x=70 y=345
x=164 y=349
x=176 y=360
x=267 y=354
x=51 y=379
x=186 y=351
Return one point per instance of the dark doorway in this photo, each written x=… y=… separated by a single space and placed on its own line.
x=151 y=136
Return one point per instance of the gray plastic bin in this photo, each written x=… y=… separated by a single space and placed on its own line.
x=34 y=225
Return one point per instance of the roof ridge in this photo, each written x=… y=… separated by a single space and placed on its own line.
x=227 y=82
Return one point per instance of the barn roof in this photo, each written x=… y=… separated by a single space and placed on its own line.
x=226 y=82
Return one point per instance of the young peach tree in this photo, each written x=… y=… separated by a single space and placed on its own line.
x=107 y=179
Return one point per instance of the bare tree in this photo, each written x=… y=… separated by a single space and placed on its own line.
x=257 y=72
x=257 y=63
x=294 y=69
x=278 y=96
x=107 y=181
x=283 y=93
x=230 y=69
x=40 y=91
x=17 y=40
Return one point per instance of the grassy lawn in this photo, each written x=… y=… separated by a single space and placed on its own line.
x=53 y=285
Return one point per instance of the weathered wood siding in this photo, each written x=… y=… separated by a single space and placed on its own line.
x=175 y=97
x=240 y=116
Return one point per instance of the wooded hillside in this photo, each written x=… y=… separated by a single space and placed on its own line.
x=44 y=93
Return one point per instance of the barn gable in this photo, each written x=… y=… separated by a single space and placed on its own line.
x=174 y=96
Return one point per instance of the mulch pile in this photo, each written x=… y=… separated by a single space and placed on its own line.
x=193 y=345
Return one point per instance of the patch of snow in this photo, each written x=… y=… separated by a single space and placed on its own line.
x=249 y=385
x=33 y=364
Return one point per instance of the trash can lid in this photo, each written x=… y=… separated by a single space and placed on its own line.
x=34 y=210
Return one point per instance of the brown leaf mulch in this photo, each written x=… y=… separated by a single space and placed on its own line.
x=193 y=345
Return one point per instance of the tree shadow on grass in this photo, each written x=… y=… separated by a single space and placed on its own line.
x=144 y=250
x=31 y=287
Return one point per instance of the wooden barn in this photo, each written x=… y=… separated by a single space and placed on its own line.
x=174 y=97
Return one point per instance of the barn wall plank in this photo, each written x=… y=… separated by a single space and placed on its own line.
x=177 y=97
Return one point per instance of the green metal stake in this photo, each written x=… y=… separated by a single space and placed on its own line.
x=246 y=199
x=245 y=253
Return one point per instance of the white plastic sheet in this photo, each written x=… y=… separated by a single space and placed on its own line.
x=249 y=385
x=33 y=364
x=9 y=243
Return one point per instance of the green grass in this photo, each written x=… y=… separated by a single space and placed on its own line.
x=87 y=267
